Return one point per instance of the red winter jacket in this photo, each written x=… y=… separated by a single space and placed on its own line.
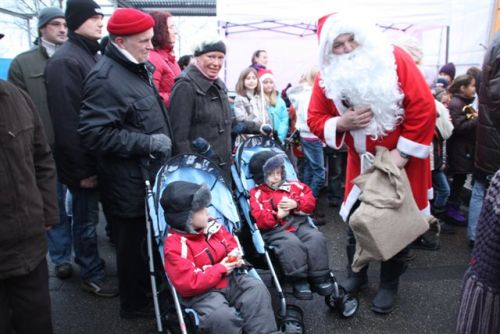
x=192 y=261
x=264 y=203
x=166 y=70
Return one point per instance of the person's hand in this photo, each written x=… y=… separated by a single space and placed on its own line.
x=230 y=265
x=397 y=159
x=287 y=204
x=282 y=213
x=266 y=129
x=89 y=182
x=356 y=118
x=160 y=142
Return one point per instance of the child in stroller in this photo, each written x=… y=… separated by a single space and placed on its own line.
x=281 y=210
x=201 y=257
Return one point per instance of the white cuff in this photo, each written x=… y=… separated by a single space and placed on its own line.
x=413 y=148
x=330 y=133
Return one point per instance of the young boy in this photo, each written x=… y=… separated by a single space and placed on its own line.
x=281 y=209
x=200 y=257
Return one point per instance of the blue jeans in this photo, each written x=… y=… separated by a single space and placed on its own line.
x=314 y=165
x=441 y=189
x=79 y=232
x=475 y=205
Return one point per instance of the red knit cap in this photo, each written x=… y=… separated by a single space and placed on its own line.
x=129 y=21
x=264 y=74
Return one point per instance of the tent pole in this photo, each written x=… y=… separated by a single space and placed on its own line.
x=447 y=51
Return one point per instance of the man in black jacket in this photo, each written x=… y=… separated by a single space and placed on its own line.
x=123 y=122
x=487 y=155
x=65 y=73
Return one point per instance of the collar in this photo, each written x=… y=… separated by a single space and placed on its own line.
x=49 y=47
x=126 y=54
x=284 y=186
x=201 y=81
x=92 y=46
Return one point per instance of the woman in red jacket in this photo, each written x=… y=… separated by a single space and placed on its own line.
x=200 y=259
x=281 y=210
x=162 y=57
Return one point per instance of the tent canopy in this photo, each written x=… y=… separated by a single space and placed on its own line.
x=286 y=29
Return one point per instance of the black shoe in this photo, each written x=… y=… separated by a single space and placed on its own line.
x=302 y=290
x=446 y=228
x=384 y=300
x=101 y=288
x=426 y=241
x=64 y=271
x=323 y=289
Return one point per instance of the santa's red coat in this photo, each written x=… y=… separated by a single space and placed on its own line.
x=413 y=136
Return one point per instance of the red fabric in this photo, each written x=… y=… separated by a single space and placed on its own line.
x=129 y=21
x=418 y=126
x=166 y=70
x=264 y=203
x=321 y=22
x=190 y=268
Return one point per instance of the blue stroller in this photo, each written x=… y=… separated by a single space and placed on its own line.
x=339 y=300
x=197 y=169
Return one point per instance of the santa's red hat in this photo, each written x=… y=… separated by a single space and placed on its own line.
x=321 y=22
x=264 y=74
x=129 y=21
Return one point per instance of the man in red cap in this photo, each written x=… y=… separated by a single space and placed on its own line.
x=125 y=124
x=371 y=93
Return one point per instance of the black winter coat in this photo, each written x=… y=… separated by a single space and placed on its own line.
x=121 y=109
x=199 y=107
x=460 y=146
x=28 y=201
x=65 y=73
x=487 y=160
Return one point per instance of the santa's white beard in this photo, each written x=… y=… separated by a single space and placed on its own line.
x=366 y=77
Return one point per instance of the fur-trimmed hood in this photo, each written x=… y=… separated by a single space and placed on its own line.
x=263 y=163
x=180 y=200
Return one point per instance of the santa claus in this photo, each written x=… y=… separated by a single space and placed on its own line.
x=371 y=93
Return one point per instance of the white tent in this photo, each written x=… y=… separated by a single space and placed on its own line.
x=458 y=30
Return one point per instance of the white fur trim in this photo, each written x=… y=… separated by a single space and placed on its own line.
x=266 y=76
x=346 y=207
x=330 y=133
x=412 y=148
x=426 y=211
x=430 y=193
x=359 y=138
x=184 y=248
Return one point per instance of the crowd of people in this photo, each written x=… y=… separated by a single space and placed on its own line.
x=87 y=121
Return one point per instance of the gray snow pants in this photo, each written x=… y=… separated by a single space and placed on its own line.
x=302 y=253
x=245 y=305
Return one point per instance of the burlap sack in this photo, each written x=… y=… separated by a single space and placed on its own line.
x=388 y=218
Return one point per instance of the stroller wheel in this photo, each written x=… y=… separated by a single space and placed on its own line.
x=344 y=303
x=293 y=322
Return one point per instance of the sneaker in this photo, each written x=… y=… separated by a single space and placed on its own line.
x=302 y=290
x=64 y=271
x=101 y=288
x=455 y=216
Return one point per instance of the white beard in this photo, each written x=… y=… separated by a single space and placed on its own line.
x=366 y=77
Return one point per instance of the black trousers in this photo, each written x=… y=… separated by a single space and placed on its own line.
x=131 y=262
x=25 y=303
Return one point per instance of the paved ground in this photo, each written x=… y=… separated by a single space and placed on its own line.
x=427 y=303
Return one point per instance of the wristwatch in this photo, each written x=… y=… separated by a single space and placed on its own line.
x=403 y=155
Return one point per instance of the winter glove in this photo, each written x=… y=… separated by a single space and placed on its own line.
x=266 y=129
x=203 y=148
x=160 y=143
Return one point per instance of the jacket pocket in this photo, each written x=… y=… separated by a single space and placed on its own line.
x=148 y=114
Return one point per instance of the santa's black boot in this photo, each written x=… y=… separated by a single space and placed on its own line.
x=390 y=271
x=355 y=281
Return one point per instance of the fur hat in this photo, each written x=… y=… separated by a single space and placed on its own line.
x=448 y=69
x=180 y=200
x=79 y=11
x=48 y=14
x=263 y=163
x=211 y=45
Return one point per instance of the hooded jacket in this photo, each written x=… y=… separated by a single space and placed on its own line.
x=166 y=70
x=192 y=260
